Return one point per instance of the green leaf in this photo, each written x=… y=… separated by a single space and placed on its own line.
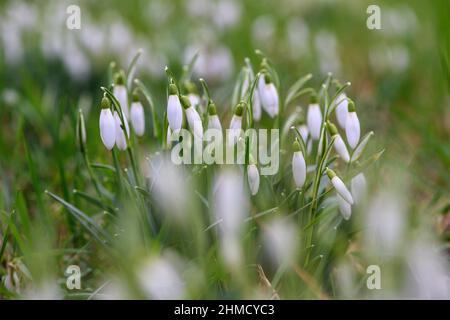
x=361 y=147
x=292 y=91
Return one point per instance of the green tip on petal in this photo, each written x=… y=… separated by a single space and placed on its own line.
x=173 y=90
x=106 y=104
x=239 y=109
x=296 y=146
x=330 y=173
x=185 y=102
x=267 y=78
x=119 y=78
x=351 y=106
x=313 y=98
x=332 y=128
x=190 y=87
x=212 y=111
x=135 y=95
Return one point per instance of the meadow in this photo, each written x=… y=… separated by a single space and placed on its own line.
x=94 y=206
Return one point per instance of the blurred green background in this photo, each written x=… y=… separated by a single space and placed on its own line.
x=400 y=79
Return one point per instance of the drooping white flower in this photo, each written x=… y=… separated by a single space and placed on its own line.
x=253 y=178
x=174 y=109
x=340 y=187
x=359 y=187
x=235 y=129
x=345 y=208
x=120 y=92
x=268 y=95
x=298 y=166
x=137 y=116
x=193 y=118
x=341 y=109
x=352 y=129
x=107 y=125
x=257 y=112
x=339 y=144
x=314 y=119
x=304 y=132
x=121 y=140
x=213 y=118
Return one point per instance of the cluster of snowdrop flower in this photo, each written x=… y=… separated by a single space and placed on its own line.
x=257 y=95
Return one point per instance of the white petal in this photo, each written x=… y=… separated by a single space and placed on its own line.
x=304 y=132
x=174 y=113
x=269 y=99
x=253 y=178
x=345 y=208
x=121 y=141
x=352 y=129
x=193 y=99
x=341 y=189
x=341 y=149
x=358 y=187
x=214 y=122
x=314 y=120
x=137 y=118
x=256 y=106
x=299 y=169
x=120 y=92
x=341 y=109
x=194 y=121
x=235 y=130
x=107 y=128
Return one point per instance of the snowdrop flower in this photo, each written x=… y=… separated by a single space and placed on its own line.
x=120 y=92
x=236 y=124
x=160 y=279
x=298 y=166
x=253 y=178
x=281 y=240
x=340 y=187
x=137 y=115
x=213 y=118
x=192 y=93
x=314 y=118
x=174 y=110
x=256 y=106
x=268 y=95
x=192 y=116
x=121 y=140
x=352 y=129
x=341 y=109
x=339 y=144
x=304 y=132
x=358 y=187
x=107 y=125
x=345 y=208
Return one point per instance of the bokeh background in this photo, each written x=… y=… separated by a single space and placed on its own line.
x=400 y=79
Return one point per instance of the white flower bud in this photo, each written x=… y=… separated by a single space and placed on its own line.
x=235 y=126
x=359 y=187
x=298 y=166
x=304 y=132
x=214 y=122
x=352 y=129
x=253 y=178
x=345 y=208
x=194 y=121
x=256 y=106
x=174 y=109
x=340 y=187
x=137 y=118
x=340 y=148
x=107 y=128
x=121 y=140
x=314 y=120
x=268 y=95
x=120 y=92
x=341 y=109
